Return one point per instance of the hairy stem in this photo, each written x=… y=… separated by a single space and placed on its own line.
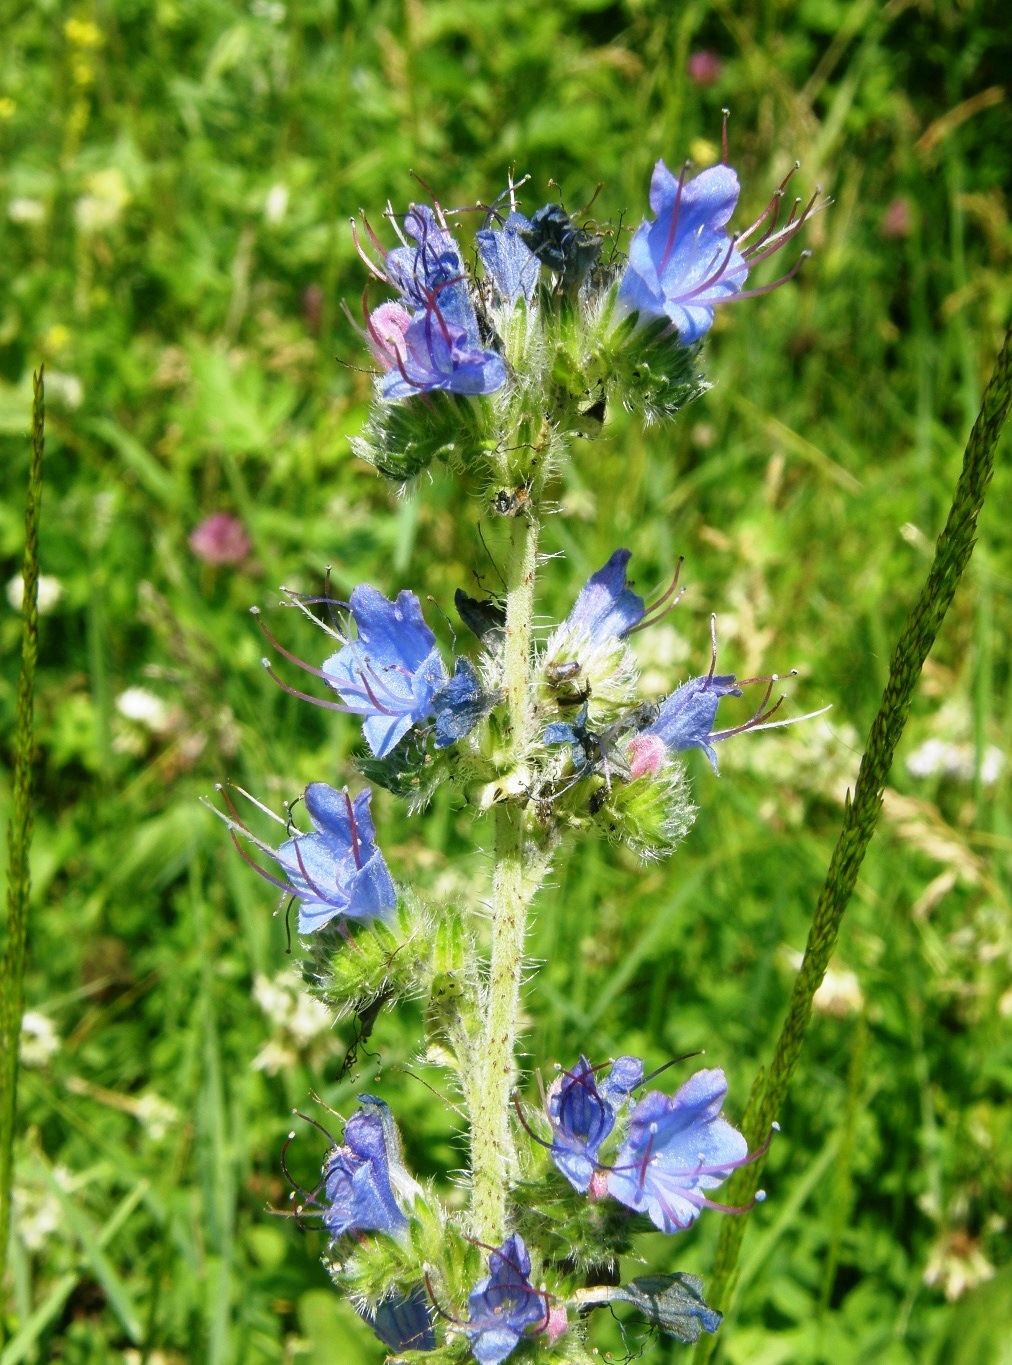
x=19 y=831
x=861 y=816
x=516 y=877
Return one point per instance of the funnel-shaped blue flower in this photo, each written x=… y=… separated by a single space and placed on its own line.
x=676 y=1149
x=686 y=719
x=361 y=1174
x=435 y=352
x=432 y=270
x=606 y=608
x=683 y=263
x=392 y=671
x=504 y=1304
x=582 y=1114
x=337 y=869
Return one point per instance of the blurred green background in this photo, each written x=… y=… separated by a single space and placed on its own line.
x=176 y=180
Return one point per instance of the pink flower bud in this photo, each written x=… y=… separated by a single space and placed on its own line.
x=645 y=753
x=220 y=539
x=705 y=68
x=557 y=1324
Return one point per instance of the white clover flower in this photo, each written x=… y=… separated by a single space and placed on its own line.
x=27 y=211
x=102 y=207
x=64 y=390
x=956 y=1265
x=143 y=707
x=276 y=204
x=155 y=1115
x=50 y=592
x=39 y=1039
x=37 y=1215
x=947 y=758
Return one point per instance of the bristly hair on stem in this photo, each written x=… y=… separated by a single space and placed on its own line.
x=19 y=830
x=952 y=554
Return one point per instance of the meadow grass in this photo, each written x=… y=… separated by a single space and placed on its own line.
x=176 y=183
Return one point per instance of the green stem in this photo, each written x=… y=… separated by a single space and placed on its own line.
x=952 y=554
x=19 y=831
x=517 y=875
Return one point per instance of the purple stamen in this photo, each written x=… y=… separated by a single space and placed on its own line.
x=355 y=848
x=673 y=230
x=305 y=696
x=285 y=654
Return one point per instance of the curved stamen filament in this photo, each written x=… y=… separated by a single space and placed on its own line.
x=713 y=279
x=527 y=1127
x=306 y=696
x=285 y=653
x=773 y=206
x=713 y=649
x=667 y=600
x=673 y=230
x=356 y=849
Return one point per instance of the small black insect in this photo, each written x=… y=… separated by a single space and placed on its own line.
x=570 y=252
x=563 y=672
x=597 y=751
x=510 y=502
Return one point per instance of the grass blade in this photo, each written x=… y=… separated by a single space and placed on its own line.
x=19 y=831
x=952 y=554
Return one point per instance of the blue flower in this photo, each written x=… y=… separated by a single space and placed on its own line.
x=582 y=1114
x=402 y=1321
x=504 y=1304
x=337 y=869
x=359 y=1176
x=436 y=353
x=432 y=269
x=606 y=608
x=683 y=263
x=586 y=658
x=434 y=342
x=677 y=1147
x=686 y=717
x=511 y=265
x=392 y=671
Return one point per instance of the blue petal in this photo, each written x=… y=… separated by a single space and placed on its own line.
x=403 y=1322
x=625 y=1075
x=606 y=607
x=512 y=265
x=686 y=717
x=372 y=894
x=561 y=732
x=490 y=1345
x=576 y=1166
x=393 y=633
x=384 y=733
